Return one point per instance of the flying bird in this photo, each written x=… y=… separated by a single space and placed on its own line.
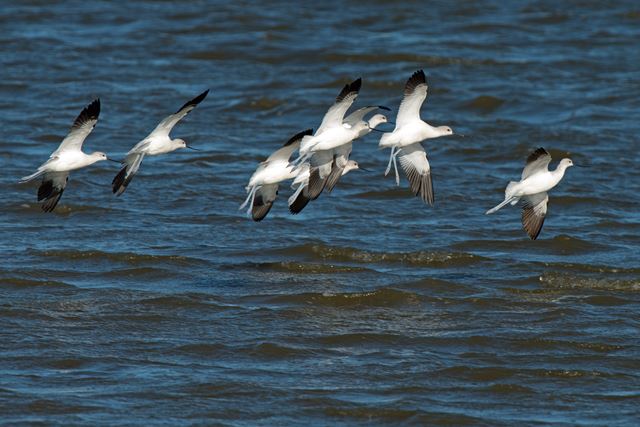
x=300 y=198
x=263 y=184
x=332 y=133
x=405 y=140
x=532 y=189
x=68 y=157
x=157 y=142
x=341 y=154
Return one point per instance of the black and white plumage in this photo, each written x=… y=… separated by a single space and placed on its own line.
x=405 y=140
x=157 y=142
x=341 y=154
x=67 y=157
x=262 y=189
x=535 y=182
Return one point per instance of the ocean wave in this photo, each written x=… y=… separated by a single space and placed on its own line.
x=122 y=257
x=346 y=254
x=385 y=297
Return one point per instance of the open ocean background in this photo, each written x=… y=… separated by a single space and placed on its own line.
x=168 y=306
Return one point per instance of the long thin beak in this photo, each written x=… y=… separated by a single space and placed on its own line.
x=360 y=168
x=459 y=134
x=580 y=166
x=113 y=160
x=191 y=148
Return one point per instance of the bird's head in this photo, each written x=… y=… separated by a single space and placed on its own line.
x=377 y=119
x=566 y=163
x=445 y=130
x=181 y=143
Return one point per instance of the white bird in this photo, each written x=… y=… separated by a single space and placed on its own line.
x=332 y=133
x=532 y=188
x=341 y=154
x=68 y=157
x=157 y=142
x=300 y=198
x=263 y=184
x=409 y=132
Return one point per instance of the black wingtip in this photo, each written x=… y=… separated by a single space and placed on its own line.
x=121 y=182
x=536 y=154
x=195 y=101
x=90 y=112
x=353 y=87
x=356 y=85
x=418 y=78
x=298 y=137
x=299 y=203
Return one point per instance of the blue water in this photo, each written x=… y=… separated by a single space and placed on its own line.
x=168 y=306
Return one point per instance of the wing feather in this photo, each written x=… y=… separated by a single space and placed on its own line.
x=537 y=161
x=415 y=92
x=81 y=128
x=165 y=126
x=335 y=115
x=413 y=160
x=51 y=189
x=534 y=212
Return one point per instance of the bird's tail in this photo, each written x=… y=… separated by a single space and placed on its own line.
x=31 y=177
x=508 y=192
x=500 y=206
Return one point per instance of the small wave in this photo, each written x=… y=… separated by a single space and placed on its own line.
x=561 y=244
x=558 y=281
x=485 y=103
x=185 y=301
x=125 y=257
x=303 y=268
x=28 y=283
x=392 y=193
x=346 y=254
x=272 y=350
x=384 y=297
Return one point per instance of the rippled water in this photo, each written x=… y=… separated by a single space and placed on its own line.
x=167 y=305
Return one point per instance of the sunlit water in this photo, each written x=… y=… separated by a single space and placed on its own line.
x=167 y=305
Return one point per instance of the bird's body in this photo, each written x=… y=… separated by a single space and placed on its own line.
x=300 y=198
x=333 y=131
x=156 y=143
x=263 y=184
x=341 y=154
x=535 y=182
x=409 y=132
x=67 y=157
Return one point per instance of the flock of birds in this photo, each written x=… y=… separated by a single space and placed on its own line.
x=323 y=157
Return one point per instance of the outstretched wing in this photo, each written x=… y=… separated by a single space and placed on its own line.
x=51 y=189
x=533 y=213
x=289 y=147
x=165 y=126
x=131 y=164
x=319 y=172
x=340 y=159
x=537 y=161
x=335 y=114
x=413 y=160
x=81 y=128
x=262 y=202
x=358 y=115
x=415 y=92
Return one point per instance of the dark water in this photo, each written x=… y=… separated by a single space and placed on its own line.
x=168 y=306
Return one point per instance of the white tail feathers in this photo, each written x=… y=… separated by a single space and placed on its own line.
x=295 y=195
x=501 y=205
x=30 y=177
